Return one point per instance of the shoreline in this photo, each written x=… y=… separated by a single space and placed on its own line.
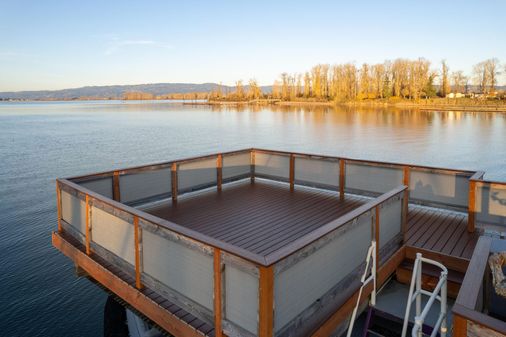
x=422 y=105
x=374 y=104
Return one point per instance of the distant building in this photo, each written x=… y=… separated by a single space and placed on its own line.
x=455 y=95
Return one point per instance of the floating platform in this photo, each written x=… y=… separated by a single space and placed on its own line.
x=267 y=243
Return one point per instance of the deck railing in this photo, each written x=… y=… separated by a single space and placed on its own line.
x=470 y=316
x=232 y=287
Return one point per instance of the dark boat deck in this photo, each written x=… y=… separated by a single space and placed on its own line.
x=440 y=231
x=261 y=217
x=265 y=216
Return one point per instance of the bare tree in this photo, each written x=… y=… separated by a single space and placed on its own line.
x=458 y=81
x=445 y=82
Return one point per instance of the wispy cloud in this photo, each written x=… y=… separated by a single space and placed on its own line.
x=117 y=44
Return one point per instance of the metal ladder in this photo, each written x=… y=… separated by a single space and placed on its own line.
x=440 y=289
x=371 y=255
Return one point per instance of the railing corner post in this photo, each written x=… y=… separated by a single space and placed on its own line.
x=342 y=178
x=58 y=205
x=266 y=299
x=219 y=171
x=252 y=166
x=173 y=170
x=217 y=292
x=292 y=172
x=138 y=252
x=471 y=217
x=115 y=187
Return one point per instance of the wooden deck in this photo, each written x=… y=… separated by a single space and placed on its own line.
x=261 y=217
x=265 y=216
x=440 y=231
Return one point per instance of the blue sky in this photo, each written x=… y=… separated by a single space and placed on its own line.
x=62 y=44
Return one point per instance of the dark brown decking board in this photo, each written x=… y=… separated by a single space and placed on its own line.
x=260 y=217
x=440 y=231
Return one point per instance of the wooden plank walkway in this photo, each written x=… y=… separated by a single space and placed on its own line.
x=265 y=216
x=440 y=231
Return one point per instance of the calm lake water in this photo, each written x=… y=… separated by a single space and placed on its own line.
x=40 y=295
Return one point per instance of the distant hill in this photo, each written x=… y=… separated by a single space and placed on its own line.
x=118 y=91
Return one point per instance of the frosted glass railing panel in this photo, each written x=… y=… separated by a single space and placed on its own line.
x=439 y=188
x=73 y=211
x=101 y=186
x=113 y=233
x=317 y=172
x=241 y=299
x=371 y=179
x=197 y=174
x=272 y=165
x=145 y=185
x=390 y=221
x=491 y=204
x=185 y=270
x=236 y=165
x=320 y=269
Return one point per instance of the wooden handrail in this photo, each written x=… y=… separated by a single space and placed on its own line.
x=465 y=307
x=255 y=258
x=168 y=164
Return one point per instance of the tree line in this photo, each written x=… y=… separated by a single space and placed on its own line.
x=402 y=78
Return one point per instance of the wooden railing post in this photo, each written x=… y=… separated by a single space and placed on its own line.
x=266 y=305
x=88 y=224
x=173 y=170
x=471 y=218
x=138 y=252
x=252 y=166
x=405 y=202
x=115 y=186
x=219 y=171
x=217 y=293
x=342 y=179
x=58 y=205
x=377 y=232
x=292 y=172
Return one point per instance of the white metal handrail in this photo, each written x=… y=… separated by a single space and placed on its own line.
x=417 y=296
x=371 y=255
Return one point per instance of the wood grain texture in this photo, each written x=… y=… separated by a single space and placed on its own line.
x=217 y=292
x=260 y=217
x=88 y=225
x=58 y=205
x=219 y=172
x=342 y=177
x=266 y=302
x=137 y=240
x=115 y=186
x=173 y=170
x=471 y=218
